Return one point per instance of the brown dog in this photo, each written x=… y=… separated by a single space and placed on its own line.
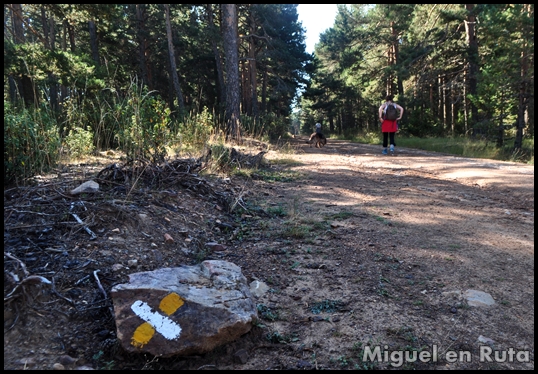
x=317 y=139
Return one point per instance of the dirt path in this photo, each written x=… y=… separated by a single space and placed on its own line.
x=359 y=250
x=420 y=224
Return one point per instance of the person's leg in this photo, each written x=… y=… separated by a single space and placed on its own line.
x=392 y=144
x=385 y=139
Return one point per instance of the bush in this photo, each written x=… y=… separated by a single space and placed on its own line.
x=79 y=142
x=145 y=134
x=196 y=129
x=31 y=143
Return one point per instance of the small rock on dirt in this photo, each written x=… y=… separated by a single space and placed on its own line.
x=241 y=356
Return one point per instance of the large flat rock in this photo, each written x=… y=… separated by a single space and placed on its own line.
x=183 y=311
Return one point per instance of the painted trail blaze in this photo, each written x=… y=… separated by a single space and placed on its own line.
x=156 y=321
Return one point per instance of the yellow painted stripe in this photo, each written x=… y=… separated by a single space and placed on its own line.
x=170 y=303
x=142 y=335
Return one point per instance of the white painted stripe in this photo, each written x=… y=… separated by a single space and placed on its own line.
x=162 y=324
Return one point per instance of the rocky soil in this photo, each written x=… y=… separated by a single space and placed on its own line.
x=358 y=250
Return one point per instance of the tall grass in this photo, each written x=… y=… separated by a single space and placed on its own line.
x=138 y=123
x=31 y=143
x=459 y=146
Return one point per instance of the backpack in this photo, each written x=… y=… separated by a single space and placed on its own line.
x=391 y=113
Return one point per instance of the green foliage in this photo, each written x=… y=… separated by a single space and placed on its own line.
x=276 y=338
x=79 y=142
x=267 y=313
x=293 y=230
x=38 y=62
x=340 y=216
x=104 y=365
x=220 y=156
x=196 y=129
x=358 y=348
x=266 y=126
x=31 y=143
x=277 y=175
x=327 y=306
x=351 y=72
x=147 y=134
x=278 y=210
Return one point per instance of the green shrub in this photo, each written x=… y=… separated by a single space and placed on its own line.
x=196 y=130
x=146 y=133
x=79 y=142
x=31 y=143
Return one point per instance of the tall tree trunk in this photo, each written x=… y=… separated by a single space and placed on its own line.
x=71 y=33
x=11 y=80
x=445 y=105
x=253 y=98
x=218 y=60
x=141 y=17
x=64 y=92
x=173 y=67
x=264 y=92
x=453 y=111
x=52 y=29
x=48 y=29
x=526 y=95
x=24 y=85
x=440 y=97
x=245 y=87
x=500 y=133
x=465 y=103
x=45 y=24
x=93 y=41
x=396 y=57
x=472 y=58
x=231 y=51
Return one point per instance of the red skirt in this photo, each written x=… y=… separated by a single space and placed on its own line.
x=389 y=126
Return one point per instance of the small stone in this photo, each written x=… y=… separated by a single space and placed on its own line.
x=67 y=360
x=453 y=310
x=168 y=239
x=132 y=263
x=478 y=298
x=26 y=361
x=117 y=267
x=216 y=246
x=241 y=357
x=258 y=288
x=58 y=366
x=301 y=364
x=483 y=339
x=101 y=334
x=86 y=187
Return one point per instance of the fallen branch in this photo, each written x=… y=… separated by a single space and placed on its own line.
x=32 y=279
x=99 y=283
x=92 y=234
x=23 y=266
x=59 y=294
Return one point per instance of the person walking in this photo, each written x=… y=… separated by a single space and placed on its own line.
x=389 y=115
x=318 y=129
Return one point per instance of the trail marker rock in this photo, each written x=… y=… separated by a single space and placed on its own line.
x=183 y=311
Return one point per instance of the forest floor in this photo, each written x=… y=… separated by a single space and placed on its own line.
x=359 y=250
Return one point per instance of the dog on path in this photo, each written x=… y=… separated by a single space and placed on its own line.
x=318 y=139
